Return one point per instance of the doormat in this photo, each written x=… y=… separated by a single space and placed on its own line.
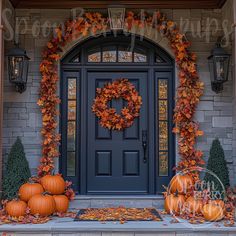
x=121 y=214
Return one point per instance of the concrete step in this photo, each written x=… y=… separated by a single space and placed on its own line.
x=90 y=201
x=69 y=227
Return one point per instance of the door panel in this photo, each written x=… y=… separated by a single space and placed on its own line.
x=115 y=158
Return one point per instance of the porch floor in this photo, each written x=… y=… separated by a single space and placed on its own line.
x=66 y=226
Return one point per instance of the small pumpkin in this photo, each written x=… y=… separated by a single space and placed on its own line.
x=28 y=190
x=42 y=204
x=54 y=184
x=218 y=202
x=212 y=212
x=62 y=203
x=16 y=208
x=174 y=203
x=193 y=205
x=180 y=183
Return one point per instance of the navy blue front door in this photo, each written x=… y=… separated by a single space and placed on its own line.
x=115 y=159
x=100 y=161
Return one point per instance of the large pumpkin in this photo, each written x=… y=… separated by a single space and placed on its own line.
x=16 y=208
x=212 y=212
x=181 y=184
x=28 y=190
x=62 y=203
x=54 y=184
x=193 y=205
x=174 y=203
x=218 y=202
x=42 y=204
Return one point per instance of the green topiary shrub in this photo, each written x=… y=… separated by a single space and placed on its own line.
x=17 y=171
x=217 y=164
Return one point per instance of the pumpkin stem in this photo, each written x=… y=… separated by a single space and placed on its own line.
x=33 y=179
x=46 y=193
x=166 y=188
x=176 y=194
x=16 y=199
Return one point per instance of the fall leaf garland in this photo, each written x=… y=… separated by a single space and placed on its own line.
x=188 y=93
x=108 y=118
x=49 y=99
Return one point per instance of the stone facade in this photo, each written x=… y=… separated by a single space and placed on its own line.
x=234 y=96
x=22 y=116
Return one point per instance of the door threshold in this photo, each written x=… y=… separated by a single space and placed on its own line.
x=125 y=197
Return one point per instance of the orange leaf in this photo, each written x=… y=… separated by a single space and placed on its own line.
x=199 y=133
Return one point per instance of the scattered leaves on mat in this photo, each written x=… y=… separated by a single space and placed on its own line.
x=121 y=214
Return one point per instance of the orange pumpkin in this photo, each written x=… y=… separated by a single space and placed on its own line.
x=194 y=205
x=62 y=203
x=218 y=202
x=53 y=184
x=28 y=190
x=180 y=184
x=16 y=208
x=42 y=204
x=174 y=203
x=212 y=212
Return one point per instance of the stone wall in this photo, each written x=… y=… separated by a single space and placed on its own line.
x=228 y=16
x=214 y=112
x=22 y=116
x=234 y=90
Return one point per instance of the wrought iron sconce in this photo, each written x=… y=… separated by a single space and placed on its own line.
x=17 y=65
x=219 y=67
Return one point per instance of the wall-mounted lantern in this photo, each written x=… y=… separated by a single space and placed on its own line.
x=17 y=65
x=219 y=67
x=116 y=18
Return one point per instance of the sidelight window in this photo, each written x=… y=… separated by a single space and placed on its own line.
x=163 y=126
x=71 y=127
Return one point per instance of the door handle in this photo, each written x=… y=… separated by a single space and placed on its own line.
x=144 y=144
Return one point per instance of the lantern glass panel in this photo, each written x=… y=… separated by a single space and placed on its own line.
x=211 y=68
x=221 y=66
x=116 y=16
x=16 y=64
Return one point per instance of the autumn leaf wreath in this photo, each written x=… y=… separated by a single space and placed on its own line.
x=108 y=117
